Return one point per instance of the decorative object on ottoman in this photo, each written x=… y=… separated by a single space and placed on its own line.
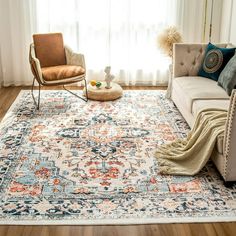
x=93 y=82
x=98 y=84
x=104 y=94
x=108 y=77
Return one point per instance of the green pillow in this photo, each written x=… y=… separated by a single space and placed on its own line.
x=215 y=60
x=227 y=78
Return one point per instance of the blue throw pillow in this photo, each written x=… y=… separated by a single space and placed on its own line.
x=214 y=61
x=227 y=79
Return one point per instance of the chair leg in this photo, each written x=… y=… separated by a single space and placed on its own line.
x=86 y=92
x=86 y=89
x=32 y=93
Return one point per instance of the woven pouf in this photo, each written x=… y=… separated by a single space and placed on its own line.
x=104 y=94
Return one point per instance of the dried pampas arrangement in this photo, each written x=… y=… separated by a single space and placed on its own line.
x=167 y=38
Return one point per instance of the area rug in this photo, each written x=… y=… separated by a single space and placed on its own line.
x=73 y=162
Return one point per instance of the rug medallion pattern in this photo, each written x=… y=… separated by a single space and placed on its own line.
x=95 y=160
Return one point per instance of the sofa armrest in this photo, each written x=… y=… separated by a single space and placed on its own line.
x=229 y=151
x=187 y=58
x=73 y=58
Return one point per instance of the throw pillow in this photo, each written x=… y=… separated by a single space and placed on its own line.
x=227 y=78
x=214 y=61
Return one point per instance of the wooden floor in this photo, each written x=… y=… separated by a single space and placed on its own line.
x=7 y=96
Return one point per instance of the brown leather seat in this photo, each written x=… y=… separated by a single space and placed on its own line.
x=62 y=72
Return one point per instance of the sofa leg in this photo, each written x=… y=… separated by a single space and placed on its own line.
x=229 y=184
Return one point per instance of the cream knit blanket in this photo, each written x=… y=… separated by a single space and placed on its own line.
x=189 y=156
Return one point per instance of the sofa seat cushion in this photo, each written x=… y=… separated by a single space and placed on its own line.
x=198 y=88
x=199 y=105
x=53 y=73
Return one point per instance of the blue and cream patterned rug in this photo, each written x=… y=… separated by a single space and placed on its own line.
x=93 y=163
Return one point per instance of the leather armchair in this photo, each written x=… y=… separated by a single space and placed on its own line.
x=53 y=63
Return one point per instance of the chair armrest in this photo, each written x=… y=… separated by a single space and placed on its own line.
x=35 y=64
x=229 y=151
x=73 y=58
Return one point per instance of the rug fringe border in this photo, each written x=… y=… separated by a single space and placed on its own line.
x=120 y=221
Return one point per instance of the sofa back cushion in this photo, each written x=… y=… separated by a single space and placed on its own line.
x=227 y=78
x=49 y=49
x=188 y=58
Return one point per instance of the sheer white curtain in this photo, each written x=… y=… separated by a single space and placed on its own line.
x=121 y=34
x=16 y=27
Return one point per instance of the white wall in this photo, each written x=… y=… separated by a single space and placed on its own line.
x=228 y=22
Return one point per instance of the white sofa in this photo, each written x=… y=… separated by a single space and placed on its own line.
x=192 y=93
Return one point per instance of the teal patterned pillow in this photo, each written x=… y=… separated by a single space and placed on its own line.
x=227 y=78
x=215 y=60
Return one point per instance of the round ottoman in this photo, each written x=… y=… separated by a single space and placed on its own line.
x=103 y=94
